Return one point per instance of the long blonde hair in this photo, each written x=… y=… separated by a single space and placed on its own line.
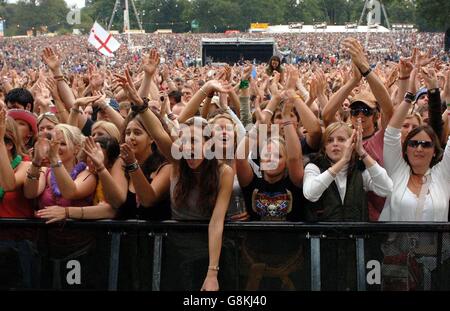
x=72 y=135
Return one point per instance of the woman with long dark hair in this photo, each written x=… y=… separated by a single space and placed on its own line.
x=200 y=188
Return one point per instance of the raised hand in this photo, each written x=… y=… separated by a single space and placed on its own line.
x=446 y=88
x=349 y=147
x=429 y=76
x=313 y=92
x=405 y=67
x=217 y=86
x=41 y=149
x=95 y=153
x=423 y=59
x=359 y=139
x=293 y=76
x=53 y=150
x=127 y=154
x=51 y=85
x=52 y=59
x=126 y=82
x=84 y=101
x=356 y=51
x=151 y=62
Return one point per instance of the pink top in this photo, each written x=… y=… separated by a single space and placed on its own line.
x=47 y=198
x=374 y=147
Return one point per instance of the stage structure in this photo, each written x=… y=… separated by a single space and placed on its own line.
x=234 y=50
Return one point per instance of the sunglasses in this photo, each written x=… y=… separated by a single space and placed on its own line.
x=365 y=111
x=416 y=143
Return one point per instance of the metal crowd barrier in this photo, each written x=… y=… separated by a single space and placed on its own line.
x=258 y=255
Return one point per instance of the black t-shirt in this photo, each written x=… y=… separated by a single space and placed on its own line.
x=279 y=201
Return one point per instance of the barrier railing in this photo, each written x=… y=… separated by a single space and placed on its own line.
x=141 y=255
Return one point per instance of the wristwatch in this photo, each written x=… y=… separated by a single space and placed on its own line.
x=409 y=97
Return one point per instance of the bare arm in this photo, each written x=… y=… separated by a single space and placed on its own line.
x=215 y=228
x=151 y=193
x=336 y=100
x=293 y=149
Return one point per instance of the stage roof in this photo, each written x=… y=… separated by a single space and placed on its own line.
x=237 y=40
x=311 y=29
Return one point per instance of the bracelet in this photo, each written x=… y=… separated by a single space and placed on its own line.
x=268 y=110
x=140 y=108
x=67 y=212
x=82 y=213
x=33 y=177
x=244 y=84
x=365 y=74
x=203 y=91
x=132 y=167
x=404 y=78
x=214 y=268
x=287 y=123
x=57 y=164
x=76 y=110
x=409 y=97
x=363 y=156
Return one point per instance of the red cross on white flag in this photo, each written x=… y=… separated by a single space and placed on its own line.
x=103 y=41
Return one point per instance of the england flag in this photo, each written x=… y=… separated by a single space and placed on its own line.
x=103 y=41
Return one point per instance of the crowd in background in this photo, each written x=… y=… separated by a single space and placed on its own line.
x=362 y=137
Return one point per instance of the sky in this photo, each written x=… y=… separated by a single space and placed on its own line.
x=79 y=3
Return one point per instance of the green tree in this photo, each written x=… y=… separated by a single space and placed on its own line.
x=433 y=15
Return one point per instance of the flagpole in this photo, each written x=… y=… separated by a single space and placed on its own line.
x=126 y=23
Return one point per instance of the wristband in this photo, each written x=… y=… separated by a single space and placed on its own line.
x=409 y=97
x=132 y=167
x=140 y=108
x=203 y=91
x=404 y=78
x=287 y=123
x=214 y=268
x=33 y=177
x=57 y=164
x=365 y=74
x=244 y=84
x=363 y=156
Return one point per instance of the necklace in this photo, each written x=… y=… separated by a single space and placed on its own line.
x=81 y=166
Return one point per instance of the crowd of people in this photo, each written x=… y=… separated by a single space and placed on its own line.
x=361 y=139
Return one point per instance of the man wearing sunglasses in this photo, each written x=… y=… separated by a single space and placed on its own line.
x=366 y=107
